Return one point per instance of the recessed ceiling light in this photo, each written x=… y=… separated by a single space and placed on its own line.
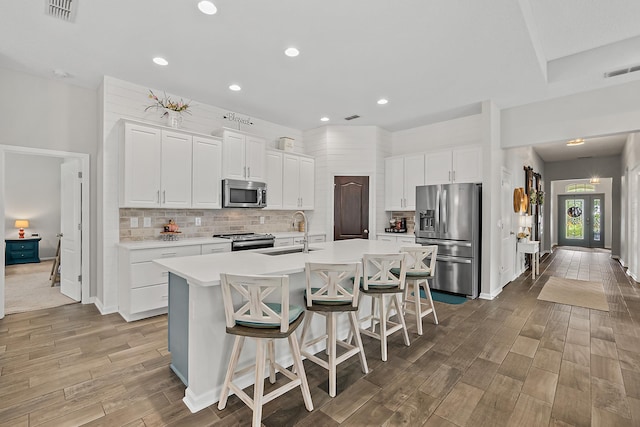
x=207 y=7
x=324 y=119
x=160 y=61
x=292 y=51
x=382 y=101
x=235 y=88
x=574 y=142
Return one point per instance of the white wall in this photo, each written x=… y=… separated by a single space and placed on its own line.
x=120 y=99
x=33 y=193
x=53 y=115
x=451 y=133
x=630 y=254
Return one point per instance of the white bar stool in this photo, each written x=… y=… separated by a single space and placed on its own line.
x=417 y=276
x=378 y=282
x=327 y=294
x=263 y=321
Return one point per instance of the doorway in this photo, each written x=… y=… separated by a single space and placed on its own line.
x=350 y=207
x=82 y=226
x=581 y=220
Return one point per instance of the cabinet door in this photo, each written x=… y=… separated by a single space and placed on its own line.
x=467 y=164
x=142 y=158
x=207 y=173
x=274 y=180
x=290 y=182
x=394 y=183
x=307 y=183
x=176 y=170
x=438 y=167
x=413 y=176
x=387 y=239
x=255 y=158
x=233 y=151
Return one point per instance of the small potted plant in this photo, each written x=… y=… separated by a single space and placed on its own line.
x=533 y=196
x=172 y=110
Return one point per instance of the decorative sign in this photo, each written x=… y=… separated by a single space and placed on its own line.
x=233 y=117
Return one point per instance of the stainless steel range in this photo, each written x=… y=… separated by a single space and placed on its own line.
x=247 y=241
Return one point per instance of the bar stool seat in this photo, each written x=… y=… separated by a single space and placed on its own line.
x=379 y=282
x=417 y=276
x=263 y=321
x=327 y=294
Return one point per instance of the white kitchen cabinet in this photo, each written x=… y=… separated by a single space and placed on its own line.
x=458 y=165
x=243 y=156
x=207 y=173
x=283 y=241
x=274 y=179
x=143 y=284
x=405 y=238
x=402 y=176
x=155 y=168
x=298 y=182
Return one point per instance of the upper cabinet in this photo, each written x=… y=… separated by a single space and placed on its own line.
x=207 y=173
x=402 y=176
x=171 y=169
x=462 y=164
x=298 y=182
x=243 y=156
x=274 y=179
x=156 y=168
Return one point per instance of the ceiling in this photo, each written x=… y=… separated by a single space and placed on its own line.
x=432 y=59
x=557 y=151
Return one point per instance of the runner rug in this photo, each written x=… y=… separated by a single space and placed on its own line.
x=582 y=293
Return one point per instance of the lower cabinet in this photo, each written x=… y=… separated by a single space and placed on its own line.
x=143 y=285
x=410 y=239
x=297 y=240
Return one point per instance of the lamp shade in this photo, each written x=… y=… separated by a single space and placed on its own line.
x=21 y=223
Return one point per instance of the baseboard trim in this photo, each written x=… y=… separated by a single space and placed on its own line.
x=102 y=309
x=491 y=295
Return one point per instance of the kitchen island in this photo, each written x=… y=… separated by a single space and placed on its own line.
x=199 y=345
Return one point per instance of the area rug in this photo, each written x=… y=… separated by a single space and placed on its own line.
x=582 y=293
x=444 y=297
x=27 y=287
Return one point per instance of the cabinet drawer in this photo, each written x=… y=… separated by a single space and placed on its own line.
x=17 y=247
x=406 y=239
x=286 y=241
x=147 y=273
x=386 y=239
x=149 y=298
x=144 y=255
x=214 y=248
x=22 y=254
x=316 y=239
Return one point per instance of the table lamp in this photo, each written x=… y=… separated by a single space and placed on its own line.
x=526 y=222
x=21 y=224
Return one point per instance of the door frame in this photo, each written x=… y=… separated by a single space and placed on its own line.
x=588 y=199
x=372 y=201
x=84 y=163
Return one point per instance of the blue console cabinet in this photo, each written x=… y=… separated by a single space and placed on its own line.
x=22 y=251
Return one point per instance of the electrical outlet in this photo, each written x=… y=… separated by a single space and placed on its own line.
x=134 y=222
x=198 y=221
x=261 y=220
x=147 y=222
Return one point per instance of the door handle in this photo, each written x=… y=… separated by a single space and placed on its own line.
x=511 y=233
x=366 y=231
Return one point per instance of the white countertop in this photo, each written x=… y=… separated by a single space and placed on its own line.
x=204 y=270
x=150 y=244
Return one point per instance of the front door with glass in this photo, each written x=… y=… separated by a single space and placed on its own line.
x=581 y=220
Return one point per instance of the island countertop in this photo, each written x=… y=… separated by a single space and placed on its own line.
x=204 y=270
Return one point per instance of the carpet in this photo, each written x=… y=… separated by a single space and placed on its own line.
x=27 y=287
x=444 y=297
x=581 y=293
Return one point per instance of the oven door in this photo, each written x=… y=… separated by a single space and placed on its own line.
x=252 y=244
x=243 y=194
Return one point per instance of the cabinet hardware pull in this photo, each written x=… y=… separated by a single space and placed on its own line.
x=169 y=254
x=449 y=175
x=244 y=171
x=158 y=196
x=249 y=172
x=454 y=176
x=164 y=196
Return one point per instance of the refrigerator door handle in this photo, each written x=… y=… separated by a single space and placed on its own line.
x=445 y=212
x=437 y=229
x=453 y=259
x=447 y=243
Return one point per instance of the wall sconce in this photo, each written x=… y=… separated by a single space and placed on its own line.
x=21 y=224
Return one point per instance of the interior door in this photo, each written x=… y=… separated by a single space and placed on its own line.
x=581 y=220
x=70 y=230
x=351 y=207
x=507 y=234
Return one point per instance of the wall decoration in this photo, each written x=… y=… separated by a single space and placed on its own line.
x=233 y=117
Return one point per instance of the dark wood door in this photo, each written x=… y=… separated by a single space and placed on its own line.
x=351 y=207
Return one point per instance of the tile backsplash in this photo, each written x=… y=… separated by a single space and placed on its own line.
x=410 y=216
x=212 y=222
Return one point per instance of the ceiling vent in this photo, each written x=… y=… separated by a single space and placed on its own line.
x=64 y=10
x=355 y=116
x=622 y=71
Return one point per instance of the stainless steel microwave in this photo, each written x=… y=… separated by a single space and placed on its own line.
x=243 y=194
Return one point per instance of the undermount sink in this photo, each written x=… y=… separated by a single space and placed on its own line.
x=285 y=251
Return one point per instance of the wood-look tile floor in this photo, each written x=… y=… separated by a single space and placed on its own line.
x=511 y=361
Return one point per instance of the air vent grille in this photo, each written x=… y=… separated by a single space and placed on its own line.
x=355 y=116
x=61 y=9
x=622 y=71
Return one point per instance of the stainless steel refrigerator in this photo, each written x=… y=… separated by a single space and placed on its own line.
x=449 y=215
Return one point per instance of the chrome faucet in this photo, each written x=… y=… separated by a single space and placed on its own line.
x=305 y=242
